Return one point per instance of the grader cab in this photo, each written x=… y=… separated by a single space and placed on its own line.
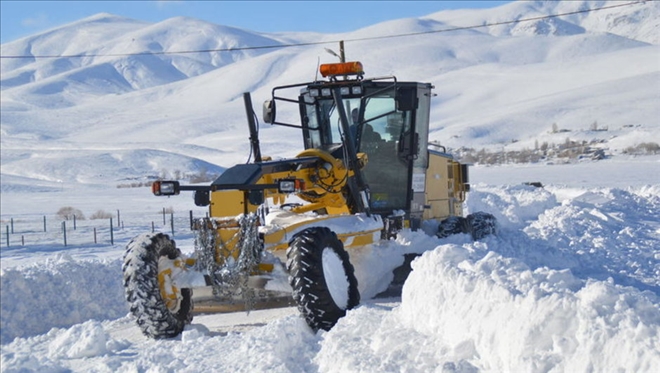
x=366 y=172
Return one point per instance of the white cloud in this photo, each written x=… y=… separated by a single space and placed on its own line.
x=162 y=4
x=40 y=20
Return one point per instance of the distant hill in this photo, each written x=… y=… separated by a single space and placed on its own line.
x=121 y=113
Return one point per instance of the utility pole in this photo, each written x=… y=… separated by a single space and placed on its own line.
x=342 y=55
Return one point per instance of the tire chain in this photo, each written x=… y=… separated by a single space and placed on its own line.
x=229 y=279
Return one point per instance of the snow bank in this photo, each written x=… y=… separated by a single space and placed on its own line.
x=513 y=206
x=610 y=233
x=285 y=345
x=59 y=293
x=499 y=315
x=50 y=352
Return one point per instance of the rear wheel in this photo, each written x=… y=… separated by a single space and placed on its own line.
x=478 y=225
x=481 y=224
x=452 y=225
x=158 y=313
x=322 y=277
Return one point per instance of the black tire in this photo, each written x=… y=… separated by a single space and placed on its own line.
x=142 y=288
x=481 y=225
x=322 y=277
x=452 y=225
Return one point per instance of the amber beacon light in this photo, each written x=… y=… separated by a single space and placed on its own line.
x=344 y=68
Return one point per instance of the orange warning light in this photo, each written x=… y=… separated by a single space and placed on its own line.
x=345 y=68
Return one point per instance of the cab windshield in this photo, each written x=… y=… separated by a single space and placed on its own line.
x=377 y=129
x=371 y=118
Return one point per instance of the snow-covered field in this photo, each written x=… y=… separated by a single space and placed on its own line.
x=571 y=282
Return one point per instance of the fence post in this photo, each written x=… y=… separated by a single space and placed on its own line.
x=64 y=231
x=118 y=219
x=94 y=234
x=172 y=223
x=22 y=240
x=112 y=237
x=153 y=228
x=44 y=223
x=191 y=220
x=7 y=235
x=163 y=215
x=74 y=222
x=12 y=225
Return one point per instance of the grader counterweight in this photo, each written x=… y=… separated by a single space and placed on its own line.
x=367 y=171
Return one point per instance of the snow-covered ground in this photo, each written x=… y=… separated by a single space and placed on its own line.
x=570 y=283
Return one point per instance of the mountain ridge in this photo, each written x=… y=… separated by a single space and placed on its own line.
x=497 y=86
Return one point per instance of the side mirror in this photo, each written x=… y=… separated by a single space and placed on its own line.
x=269 y=111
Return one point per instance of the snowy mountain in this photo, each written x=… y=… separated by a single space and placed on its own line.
x=498 y=87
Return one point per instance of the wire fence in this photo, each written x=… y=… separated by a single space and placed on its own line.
x=48 y=230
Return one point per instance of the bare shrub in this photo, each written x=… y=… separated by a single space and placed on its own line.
x=68 y=213
x=137 y=184
x=100 y=214
x=202 y=176
x=643 y=149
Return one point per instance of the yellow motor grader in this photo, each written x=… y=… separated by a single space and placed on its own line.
x=367 y=171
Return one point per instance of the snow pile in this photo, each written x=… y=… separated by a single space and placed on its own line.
x=518 y=302
x=537 y=297
x=59 y=293
x=44 y=353
x=497 y=314
x=83 y=340
x=610 y=233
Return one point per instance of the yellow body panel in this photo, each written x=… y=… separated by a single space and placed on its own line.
x=278 y=238
x=225 y=203
x=445 y=187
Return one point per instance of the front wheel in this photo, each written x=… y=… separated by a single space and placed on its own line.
x=160 y=312
x=322 y=277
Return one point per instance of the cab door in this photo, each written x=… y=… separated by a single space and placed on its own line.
x=389 y=137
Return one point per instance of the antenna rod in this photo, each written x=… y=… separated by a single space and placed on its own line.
x=254 y=133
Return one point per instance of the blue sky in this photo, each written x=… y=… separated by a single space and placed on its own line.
x=23 y=18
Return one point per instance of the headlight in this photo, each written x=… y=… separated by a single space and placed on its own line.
x=290 y=185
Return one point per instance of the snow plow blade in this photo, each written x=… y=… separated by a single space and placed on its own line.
x=205 y=302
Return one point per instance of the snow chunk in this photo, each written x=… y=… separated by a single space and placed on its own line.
x=83 y=340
